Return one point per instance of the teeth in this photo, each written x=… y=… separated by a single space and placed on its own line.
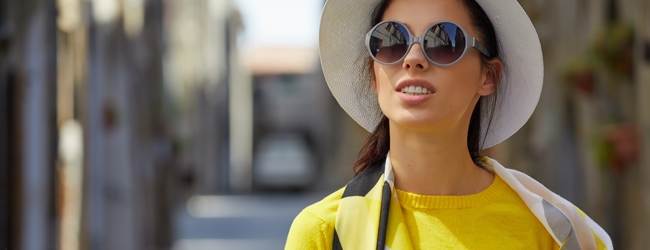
x=413 y=90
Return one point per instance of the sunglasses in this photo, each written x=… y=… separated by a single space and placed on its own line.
x=443 y=43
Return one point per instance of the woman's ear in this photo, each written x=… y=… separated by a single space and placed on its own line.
x=373 y=79
x=491 y=76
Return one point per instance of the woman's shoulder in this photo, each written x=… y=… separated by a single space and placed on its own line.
x=325 y=209
x=313 y=228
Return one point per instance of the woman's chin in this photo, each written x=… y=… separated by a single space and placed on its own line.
x=415 y=123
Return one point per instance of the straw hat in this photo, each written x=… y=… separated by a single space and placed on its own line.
x=344 y=58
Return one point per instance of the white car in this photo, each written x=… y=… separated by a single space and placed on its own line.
x=283 y=161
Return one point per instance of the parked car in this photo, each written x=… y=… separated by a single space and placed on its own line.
x=283 y=161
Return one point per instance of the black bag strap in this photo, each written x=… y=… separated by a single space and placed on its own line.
x=360 y=186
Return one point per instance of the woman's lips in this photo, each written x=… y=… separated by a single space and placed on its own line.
x=414 y=99
x=423 y=91
x=415 y=82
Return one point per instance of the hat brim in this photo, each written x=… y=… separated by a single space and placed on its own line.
x=345 y=62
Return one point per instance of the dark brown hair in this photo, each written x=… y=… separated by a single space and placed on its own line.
x=377 y=144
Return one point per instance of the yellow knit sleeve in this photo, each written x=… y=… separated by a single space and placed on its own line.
x=309 y=232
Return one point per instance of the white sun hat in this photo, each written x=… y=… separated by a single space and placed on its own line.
x=344 y=58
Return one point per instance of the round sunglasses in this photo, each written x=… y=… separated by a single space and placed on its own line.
x=443 y=43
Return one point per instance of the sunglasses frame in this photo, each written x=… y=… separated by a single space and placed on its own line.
x=470 y=41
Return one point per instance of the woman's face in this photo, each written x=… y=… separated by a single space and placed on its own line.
x=454 y=89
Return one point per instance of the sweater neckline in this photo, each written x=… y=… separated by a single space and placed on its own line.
x=419 y=201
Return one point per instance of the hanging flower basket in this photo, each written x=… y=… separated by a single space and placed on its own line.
x=623 y=140
x=579 y=74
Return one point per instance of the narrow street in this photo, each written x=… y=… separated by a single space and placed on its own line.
x=238 y=222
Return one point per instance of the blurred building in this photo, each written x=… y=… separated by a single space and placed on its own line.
x=28 y=128
x=210 y=96
x=115 y=152
x=145 y=87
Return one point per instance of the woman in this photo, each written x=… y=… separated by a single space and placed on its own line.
x=436 y=81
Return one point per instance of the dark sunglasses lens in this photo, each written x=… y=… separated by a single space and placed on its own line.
x=389 y=42
x=444 y=43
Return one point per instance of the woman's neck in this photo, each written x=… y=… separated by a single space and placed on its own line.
x=435 y=163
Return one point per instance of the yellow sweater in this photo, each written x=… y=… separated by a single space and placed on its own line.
x=495 y=218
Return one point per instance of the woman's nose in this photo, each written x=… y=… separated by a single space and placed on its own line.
x=415 y=60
